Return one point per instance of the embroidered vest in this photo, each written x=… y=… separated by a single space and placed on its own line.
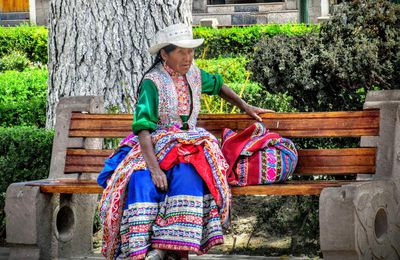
x=168 y=99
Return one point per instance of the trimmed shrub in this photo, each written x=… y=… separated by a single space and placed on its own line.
x=23 y=98
x=253 y=94
x=15 y=60
x=23 y=86
x=236 y=41
x=236 y=76
x=231 y=69
x=27 y=113
x=25 y=154
x=356 y=51
x=31 y=40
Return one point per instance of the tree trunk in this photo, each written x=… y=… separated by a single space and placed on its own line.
x=99 y=47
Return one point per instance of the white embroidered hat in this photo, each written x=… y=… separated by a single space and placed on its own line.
x=177 y=34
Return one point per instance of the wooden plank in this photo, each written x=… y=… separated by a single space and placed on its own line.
x=203 y=117
x=311 y=124
x=337 y=157
x=85 y=160
x=311 y=161
x=71 y=186
x=336 y=161
x=338 y=170
x=335 y=170
x=289 y=188
x=7 y=6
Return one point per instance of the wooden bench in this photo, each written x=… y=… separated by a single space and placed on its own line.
x=343 y=161
x=78 y=156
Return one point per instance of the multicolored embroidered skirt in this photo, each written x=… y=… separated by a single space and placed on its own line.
x=190 y=216
x=185 y=218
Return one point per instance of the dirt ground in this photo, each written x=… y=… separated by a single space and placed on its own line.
x=262 y=225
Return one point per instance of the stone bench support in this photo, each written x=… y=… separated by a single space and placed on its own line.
x=362 y=220
x=47 y=226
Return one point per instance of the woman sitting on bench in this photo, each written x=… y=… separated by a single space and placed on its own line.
x=165 y=186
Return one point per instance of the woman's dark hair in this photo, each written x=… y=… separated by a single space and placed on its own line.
x=157 y=60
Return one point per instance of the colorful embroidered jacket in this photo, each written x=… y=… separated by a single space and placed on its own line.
x=168 y=98
x=152 y=99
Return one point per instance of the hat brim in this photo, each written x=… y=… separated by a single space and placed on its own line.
x=183 y=44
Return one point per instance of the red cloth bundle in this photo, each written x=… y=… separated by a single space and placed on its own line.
x=257 y=156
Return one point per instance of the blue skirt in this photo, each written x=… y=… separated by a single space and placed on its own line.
x=184 y=218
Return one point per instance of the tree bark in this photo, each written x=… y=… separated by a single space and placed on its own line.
x=99 y=47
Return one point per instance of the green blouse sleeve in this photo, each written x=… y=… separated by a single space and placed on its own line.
x=146 y=112
x=211 y=83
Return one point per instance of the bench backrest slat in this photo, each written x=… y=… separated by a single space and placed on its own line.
x=311 y=161
x=312 y=124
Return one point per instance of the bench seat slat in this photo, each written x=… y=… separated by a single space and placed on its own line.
x=311 y=161
x=312 y=124
x=290 y=188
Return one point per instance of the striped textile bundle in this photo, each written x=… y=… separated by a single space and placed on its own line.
x=257 y=156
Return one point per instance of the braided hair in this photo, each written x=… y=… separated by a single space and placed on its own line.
x=169 y=48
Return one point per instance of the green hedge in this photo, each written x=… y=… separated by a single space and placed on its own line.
x=25 y=154
x=253 y=94
x=231 y=69
x=31 y=40
x=23 y=86
x=236 y=76
x=28 y=113
x=236 y=41
x=23 y=98
x=15 y=60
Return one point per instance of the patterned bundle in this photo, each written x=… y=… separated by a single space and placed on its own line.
x=257 y=156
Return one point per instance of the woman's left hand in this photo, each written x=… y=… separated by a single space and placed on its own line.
x=255 y=111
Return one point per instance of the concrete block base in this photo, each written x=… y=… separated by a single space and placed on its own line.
x=28 y=220
x=48 y=226
x=18 y=253
x=361 y=221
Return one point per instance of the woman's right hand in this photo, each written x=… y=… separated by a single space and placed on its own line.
x=157 y=175
x=159 y=178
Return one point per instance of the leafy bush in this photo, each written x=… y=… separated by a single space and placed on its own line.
x=27 y=113
x=25 y=154
x=236 y=41
x=23 y=86
x=23 y=98
x=15 y=60
x=357 y=50
x=231 y=69
x=253 y=94
x=31 y=40
x=236 y=76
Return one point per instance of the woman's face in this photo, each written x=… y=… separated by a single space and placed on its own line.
x=180 y=59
